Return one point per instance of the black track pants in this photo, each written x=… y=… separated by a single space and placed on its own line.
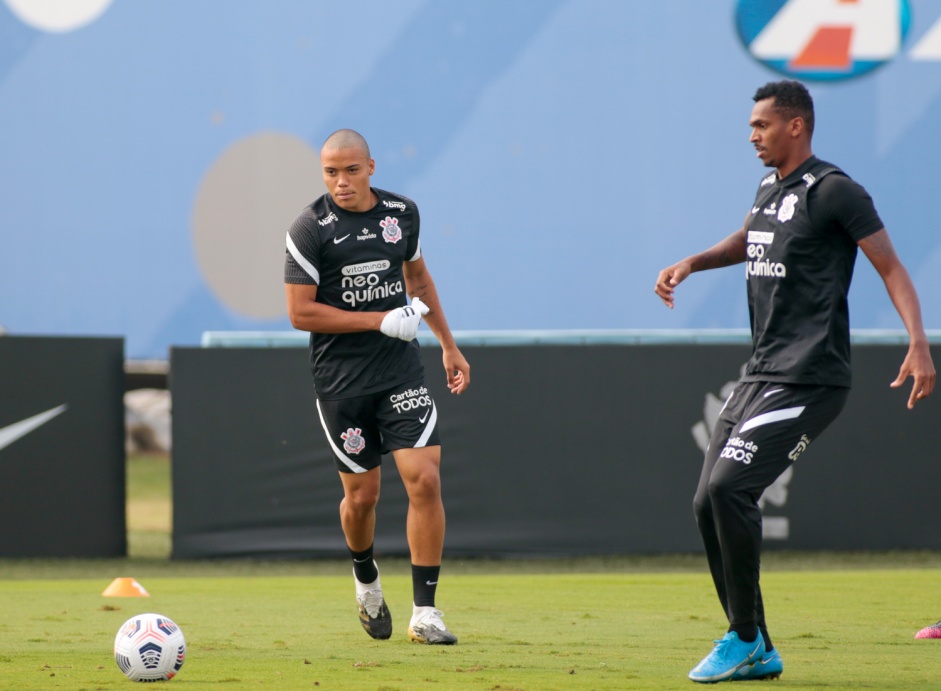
x=763 y=428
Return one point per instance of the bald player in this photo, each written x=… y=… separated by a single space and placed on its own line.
x=353 y=259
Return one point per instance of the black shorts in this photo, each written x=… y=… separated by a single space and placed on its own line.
x=362 y=428
x=765 y=426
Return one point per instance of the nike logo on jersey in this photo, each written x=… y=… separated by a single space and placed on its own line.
x=424 y=417
x=771 y=393
x=18 y=430
x=755 y=209
x=337 y=241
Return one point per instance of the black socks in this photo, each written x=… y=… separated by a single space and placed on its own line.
x=747 y=633
x=364 y=568
x=424 y=585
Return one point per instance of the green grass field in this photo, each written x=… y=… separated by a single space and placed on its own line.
x=840 y=621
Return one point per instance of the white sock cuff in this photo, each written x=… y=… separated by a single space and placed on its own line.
x=363 y=587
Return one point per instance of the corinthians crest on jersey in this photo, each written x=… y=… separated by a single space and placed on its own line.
x=780 y=205
x=355 y=258
x=390 y=229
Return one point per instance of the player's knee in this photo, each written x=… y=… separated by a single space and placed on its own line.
x=721 y=491
x=361 y=500
x=425 y=486
x=702 y=508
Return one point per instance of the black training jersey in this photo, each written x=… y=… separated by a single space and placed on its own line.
x=355 y=260
x=801 y=249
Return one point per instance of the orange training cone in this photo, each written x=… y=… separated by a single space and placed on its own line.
x=125 y=587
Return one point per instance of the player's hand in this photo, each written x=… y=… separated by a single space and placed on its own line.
x=668 y=279
x=919 y=366
x=403 y=322
x=457 y=370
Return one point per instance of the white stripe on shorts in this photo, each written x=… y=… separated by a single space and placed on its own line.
x=773 y=416
x=429 y=428
x=347 y=461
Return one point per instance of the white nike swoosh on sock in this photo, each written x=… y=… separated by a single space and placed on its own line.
x=18 y=430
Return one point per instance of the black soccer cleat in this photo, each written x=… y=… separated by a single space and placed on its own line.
x=374 y=615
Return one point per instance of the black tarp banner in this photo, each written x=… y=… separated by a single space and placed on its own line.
x=554 y=450
x=62 y=459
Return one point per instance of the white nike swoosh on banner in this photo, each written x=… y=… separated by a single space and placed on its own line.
x=17 y=430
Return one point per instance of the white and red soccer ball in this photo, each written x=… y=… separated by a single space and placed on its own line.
x=149 y=647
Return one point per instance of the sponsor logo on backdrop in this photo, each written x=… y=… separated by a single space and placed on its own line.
x=823 y=40
x=18 y=430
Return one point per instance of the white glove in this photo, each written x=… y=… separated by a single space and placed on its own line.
x=403 y=322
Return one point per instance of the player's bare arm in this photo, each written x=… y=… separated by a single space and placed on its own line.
x=729 y=251
x=307 y=314
x=419 y=283
x=918 y=363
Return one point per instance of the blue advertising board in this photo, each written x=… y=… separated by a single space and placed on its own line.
x=153 y=153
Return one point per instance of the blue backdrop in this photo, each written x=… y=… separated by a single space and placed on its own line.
x=153 y=153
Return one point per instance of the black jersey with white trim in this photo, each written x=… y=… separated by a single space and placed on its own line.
x=355 y=259
x=801 y=251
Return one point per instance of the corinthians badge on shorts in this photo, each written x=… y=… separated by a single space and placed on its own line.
x=390 y=229
x=353 y=441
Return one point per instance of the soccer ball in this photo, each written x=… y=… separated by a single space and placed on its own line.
x=149 y=647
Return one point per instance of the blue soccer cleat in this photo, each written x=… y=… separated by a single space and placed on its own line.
x=729 y=655
x=768 y=666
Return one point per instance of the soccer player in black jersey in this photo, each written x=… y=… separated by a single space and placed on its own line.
x=799 y=243
x=352 y=258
